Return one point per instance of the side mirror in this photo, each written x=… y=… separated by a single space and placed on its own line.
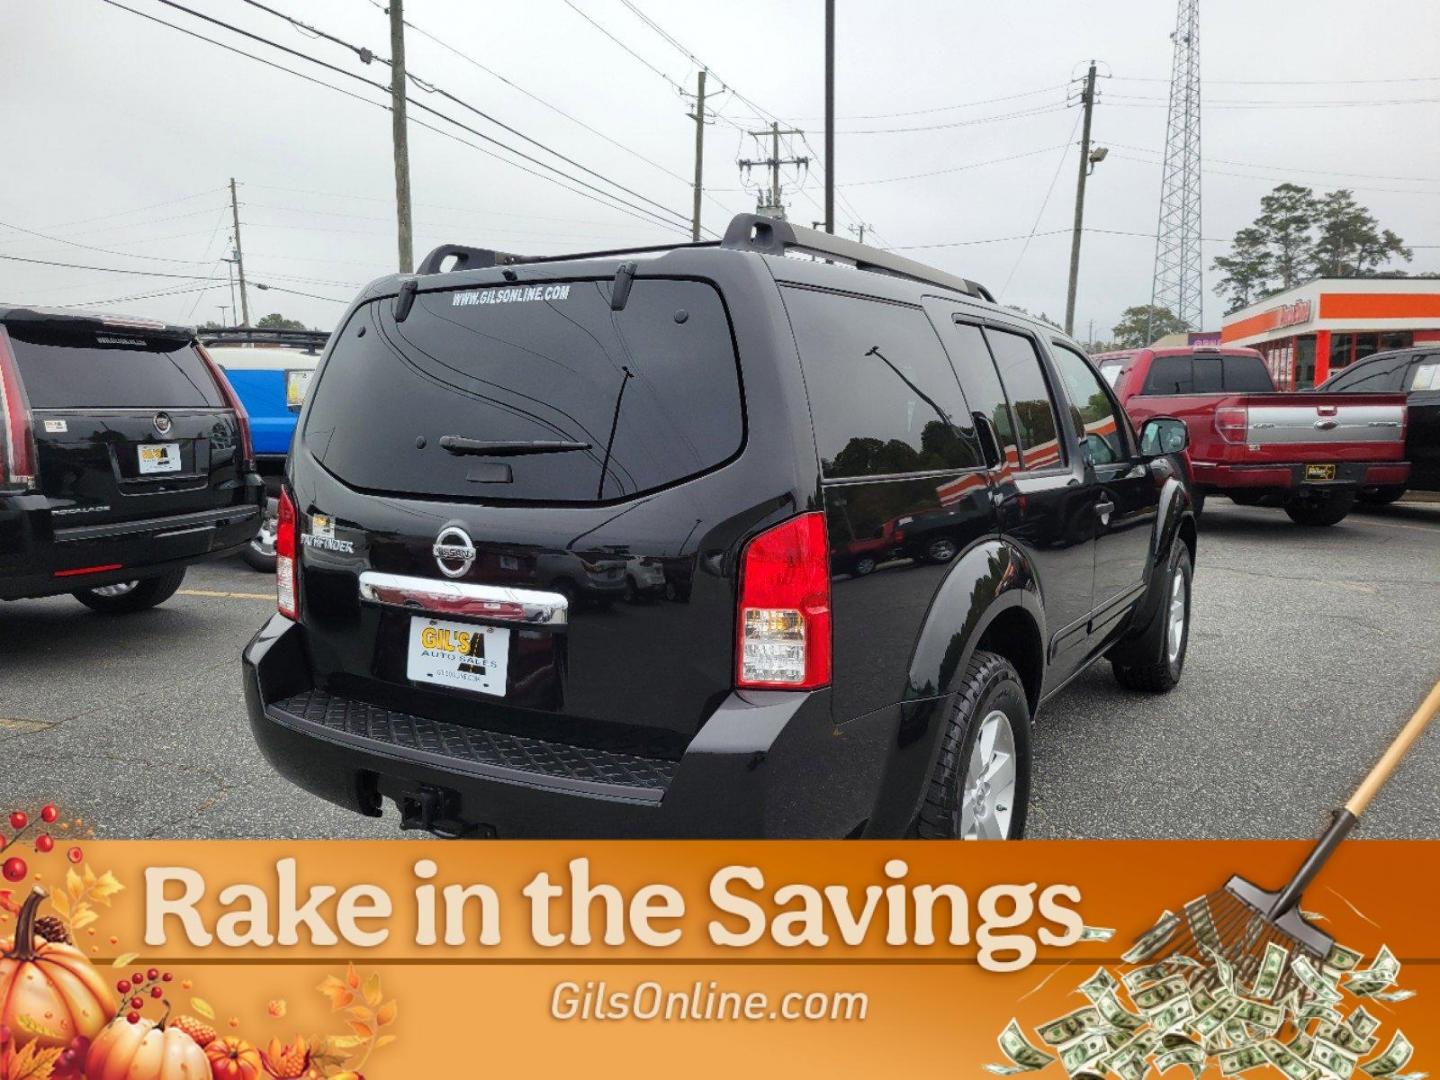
x=1162 y=435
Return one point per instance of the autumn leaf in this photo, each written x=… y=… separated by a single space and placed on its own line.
x=35 y=1027
x=361 y=1013
x=372 y=989
x=124 y=959
x=83 y=917
x=73 y=884
x=105 y=887
x=33 y=1063
x=88 y=876
x=384 y=1040
x=352 y=977
x=365 y=1031
x=59 y=901
x=386 y=1013
x=341 y=1043
x=203 y=1007
x=339 y=994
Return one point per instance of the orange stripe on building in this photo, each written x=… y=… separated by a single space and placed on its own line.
x=1255 y=324
x=1377 y=306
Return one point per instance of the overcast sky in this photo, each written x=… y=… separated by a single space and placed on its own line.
x=121 y=134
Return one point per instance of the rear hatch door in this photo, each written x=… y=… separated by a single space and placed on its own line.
x=506 y=446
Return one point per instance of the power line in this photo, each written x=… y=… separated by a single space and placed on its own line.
x=617 y=203
x=1291 y=168
x=1059 y=166
x=952 y=169
x=1286 y=82
x=92 y=247
x=1019 y=114
x=156 y=274
x=1273 y=179
x=947 y=108
x=134 y=210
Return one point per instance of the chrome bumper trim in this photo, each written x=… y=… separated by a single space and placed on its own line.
x=463 y=598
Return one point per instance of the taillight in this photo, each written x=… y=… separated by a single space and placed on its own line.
x=287 y=571
x=232 y=401
x=17 y=432
x=784 y=609
x=1232 y=422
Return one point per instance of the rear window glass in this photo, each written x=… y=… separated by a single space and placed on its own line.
x=1170 y=375
x=651 y=393
x=1019 y=366
x=101 y=370
x=883 y=395
x=1208 y=374
x=1246 y=375
x=1113 y=370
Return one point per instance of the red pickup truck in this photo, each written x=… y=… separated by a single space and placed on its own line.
x=1308 y=453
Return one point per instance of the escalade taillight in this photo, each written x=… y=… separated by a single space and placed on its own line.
x=287 y=571
x=17 y=431
x=232 y=401
x=784 y=609
x=1232 y=422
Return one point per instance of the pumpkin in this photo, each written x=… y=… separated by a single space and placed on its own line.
x=145 y=1051
x=49 y=993
x=233 y=1059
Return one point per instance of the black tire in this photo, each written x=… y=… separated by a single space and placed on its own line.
x=1381 y=496
x=941 y=550
x=1313 y=513
x=259 y=554
x=1149 y=662
x=1197 y=502
x=991 y=685
x=865 y=564
x=143 y=595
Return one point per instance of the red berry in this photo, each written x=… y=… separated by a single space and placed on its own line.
x=152 y=974
x=138 y=978
x=123 y=986
x=49 y=813
x=75 y=854
x=156 y=992
x=44 y=844
x=19 y=819
x=133 y=1017
x=137 y=1003
x=15 y=869
x=166 y=977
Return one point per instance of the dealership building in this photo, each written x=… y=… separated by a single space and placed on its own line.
x=1310 y=332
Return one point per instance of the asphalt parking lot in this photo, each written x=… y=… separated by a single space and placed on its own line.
x=1309 y=648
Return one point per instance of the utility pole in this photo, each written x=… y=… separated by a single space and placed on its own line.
x=830 y=117
x=1087 y=101
x=775 y=208
x=400 y=133
x=239 y=256
x=699 y=117
x=859 y=231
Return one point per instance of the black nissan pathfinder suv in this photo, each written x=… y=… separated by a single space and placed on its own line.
x=480 y=438
x=124 y=457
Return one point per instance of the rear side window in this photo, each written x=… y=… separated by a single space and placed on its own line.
x=1170 y=375
x=1112 y=370
x=1426 y=375
x=983 y=389
x=75 y=369
x=645 y=397
x=1030 y=398
x=1246 y=375
x=883 y=395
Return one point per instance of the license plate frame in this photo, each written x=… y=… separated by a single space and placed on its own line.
x=441 y=652
x=157 y=459
x=1319 y=472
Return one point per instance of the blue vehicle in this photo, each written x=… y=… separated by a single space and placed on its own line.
x=270 y=372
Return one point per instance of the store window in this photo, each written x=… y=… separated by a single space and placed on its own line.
x=1304 y=363
x=1342 y=351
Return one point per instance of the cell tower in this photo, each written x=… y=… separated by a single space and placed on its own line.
x=1177 y=283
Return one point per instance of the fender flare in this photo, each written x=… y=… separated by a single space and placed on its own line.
x=1174 y=520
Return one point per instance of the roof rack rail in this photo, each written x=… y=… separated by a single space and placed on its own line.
x=773 y=236
x=310 y=340
x=746 y=232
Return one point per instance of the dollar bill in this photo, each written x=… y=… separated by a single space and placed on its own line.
x=1396 y=1056
x=1083 y=1052
x=1153 y=940
x=1381 y=973
x=1223 y=971
x=1191 y=1056
x=1102 y=982
x=1023 y=1056
x=1391 y=996
x=1342 y=959
x=1115 y=1014
x=1097 y=933
x=1213 y=1019
x=1240 y=1059
x=1313 y=981
x=1141 y=976
x=1334 y=1059
x=1287 y=1061
x=1361 y=1022
x=1069 y=1027
x=1202 y=923
x=1173 y=1015
x=1302 y=1044
x=1346 y=1037
x=1317 y=1010
x=1151 y=998
x=1272 y=966
x=1267 y=1017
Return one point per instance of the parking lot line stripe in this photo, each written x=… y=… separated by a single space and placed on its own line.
x=227 y=595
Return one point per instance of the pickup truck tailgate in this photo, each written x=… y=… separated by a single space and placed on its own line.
x=1374 y=424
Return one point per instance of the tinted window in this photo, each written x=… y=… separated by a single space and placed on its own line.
x=982 y=386
x=1170 y=375
x=1380 y=376
x=1206 y=375
x=882 y=392
x=119 y=370
x=531 y=363
x=1245 y=375
x=1020 y=371
x=1095 y=416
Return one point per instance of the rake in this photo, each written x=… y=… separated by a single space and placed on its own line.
x=1238 y=922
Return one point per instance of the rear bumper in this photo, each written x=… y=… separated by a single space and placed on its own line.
x=37 y=559
x=764 y=765
x=1214 y=476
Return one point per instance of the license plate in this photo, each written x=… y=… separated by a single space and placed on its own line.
x=159 y=458
x=1319 y=472
x=297 y=385
x=462 y=656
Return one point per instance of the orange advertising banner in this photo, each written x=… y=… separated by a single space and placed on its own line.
x=384 y=959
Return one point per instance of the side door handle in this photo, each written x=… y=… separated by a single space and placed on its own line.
x=1105 y=508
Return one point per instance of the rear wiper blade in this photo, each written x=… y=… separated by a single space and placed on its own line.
x=457 y=444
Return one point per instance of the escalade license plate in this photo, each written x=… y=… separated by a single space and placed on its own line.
x=159 y=458
x=462 y=656
x=1319 y=472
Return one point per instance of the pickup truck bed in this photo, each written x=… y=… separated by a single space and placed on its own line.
x=1309 y=453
